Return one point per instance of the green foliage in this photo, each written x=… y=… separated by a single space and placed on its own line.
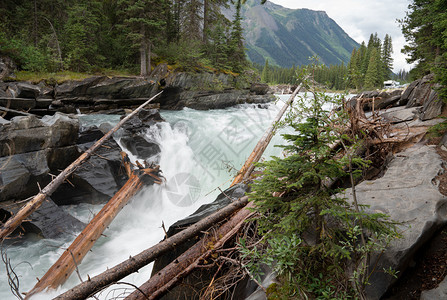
x=28 y=57
x=425 y=30
x=438 y=130
x=312 y=234
x=88 y=36
x=371 y=65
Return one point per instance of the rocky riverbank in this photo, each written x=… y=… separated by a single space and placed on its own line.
x=103 y=94
x=409 y=189
x=32 y=150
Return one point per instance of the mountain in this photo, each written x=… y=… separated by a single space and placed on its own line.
x=289 y=37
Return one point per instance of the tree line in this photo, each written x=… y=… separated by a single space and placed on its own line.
x=89 y=35
x=369 y=66
x=425 y=30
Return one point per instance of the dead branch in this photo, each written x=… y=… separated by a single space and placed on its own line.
x=133 y=264
x=35 y=203
x=260 y=147
x=165 y=279
x=76 y=252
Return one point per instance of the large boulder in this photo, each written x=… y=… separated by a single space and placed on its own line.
x=421 y=92
x=97 y=180
x=48 y=221
x=73 y=89
x=31 y=149
x=7 y=67
x=204 y=100
x=432 y=107
x=409 y=92
x=408 y=193
x=28 y=133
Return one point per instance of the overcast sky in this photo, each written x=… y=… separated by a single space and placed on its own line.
x=360 y=18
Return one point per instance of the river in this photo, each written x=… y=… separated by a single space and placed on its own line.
x=201 y=152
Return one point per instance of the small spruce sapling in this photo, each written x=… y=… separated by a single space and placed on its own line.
x=316 y=241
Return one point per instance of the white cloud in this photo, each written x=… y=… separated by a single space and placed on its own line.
x=360 y=18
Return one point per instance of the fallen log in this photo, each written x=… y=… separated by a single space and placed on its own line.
x=5 y=109
x=260 y=147
x=133 y=264
x=185 y=263
x=161 y=282
x=75 y=253
x=37 y=200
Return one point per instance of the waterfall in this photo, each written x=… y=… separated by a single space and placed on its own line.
x=201 y=151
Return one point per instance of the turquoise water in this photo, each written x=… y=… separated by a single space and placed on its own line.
x=201 y=152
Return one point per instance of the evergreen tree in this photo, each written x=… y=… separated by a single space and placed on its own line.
x=265 y=72
x=145 y=20
x=236 y=53
x=309 y=235
x=387 y=59
x=373 y=76
x=425 y=29
x=81 y=32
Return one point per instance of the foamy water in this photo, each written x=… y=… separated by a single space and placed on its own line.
x=201 y=152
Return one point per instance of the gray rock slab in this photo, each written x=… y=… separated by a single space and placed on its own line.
x=53 y=221
x=432 y=107
x=437 y=293
x=408 y=193
x=399 y=114
x=13 y=177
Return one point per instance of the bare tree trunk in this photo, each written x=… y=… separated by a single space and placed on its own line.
x=75 y=253
x=37 y=200
x=149 y=54
x=35 y=24
x=206 y=5
x=260 y=147
x=133 y=264
x=59 y=52
x=165 y=279
x=143 y=61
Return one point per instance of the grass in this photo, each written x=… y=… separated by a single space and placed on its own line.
x=62 y=76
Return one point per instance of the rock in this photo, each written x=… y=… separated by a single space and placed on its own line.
x=74 y=89
x=48 y=221
x=102 y=175
x=14 y=177
x=138 y=88
x=432 y=107
x=7 y=67
x=398 y=115
x=142 y=120
x=235 y=192
x=142 y=149
x=437 y=293
x=110 y=87
x=27 y=90
x=408 y=91
x=4 y=122
x=31 y=148
x=211 y=100
x=421 y=93
x=408 y=193
x=387 y=102
x=259 y=88
x=43 y=102
x=53 y=222
x=18 y=103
